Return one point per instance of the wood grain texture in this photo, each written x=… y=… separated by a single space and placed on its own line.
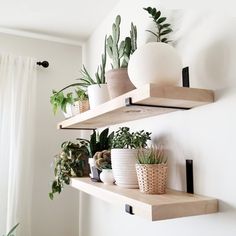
x=173 y=204
x=115 y=111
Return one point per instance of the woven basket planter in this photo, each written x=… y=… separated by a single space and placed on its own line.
x=80 y=107
x=152 y=178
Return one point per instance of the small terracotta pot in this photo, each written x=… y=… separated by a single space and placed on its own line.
x=118 y=82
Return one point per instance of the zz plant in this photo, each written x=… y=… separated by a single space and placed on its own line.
x=118 y=51
x=163 y=28
x=123 y=138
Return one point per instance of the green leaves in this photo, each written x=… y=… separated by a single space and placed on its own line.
x=100 y=142
x=59 y=100
x=123 y=138
x=120 y=52
x=12 y=230
x=153 y=155
x=162 y=28
x=72 y=161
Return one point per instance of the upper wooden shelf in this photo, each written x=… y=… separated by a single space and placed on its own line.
x=150 y=100
x=173 y=204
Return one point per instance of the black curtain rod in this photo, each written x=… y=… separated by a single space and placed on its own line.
x=44 y=64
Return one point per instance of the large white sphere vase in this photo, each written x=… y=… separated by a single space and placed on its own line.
x=123 y=165
x=97 y=94
x=157 y=63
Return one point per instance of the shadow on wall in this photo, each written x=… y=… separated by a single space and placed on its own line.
x=206 y=42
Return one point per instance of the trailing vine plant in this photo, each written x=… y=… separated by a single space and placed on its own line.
x=163 y=28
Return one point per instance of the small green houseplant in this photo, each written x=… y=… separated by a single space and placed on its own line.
x=96 y=87
x=162 y=28
x=12 y=230
x=72 y=161
x=59 y=100
x=120 y=52
x=125 y=146
x=151 y=63
x=151 y=170
x=99 y=142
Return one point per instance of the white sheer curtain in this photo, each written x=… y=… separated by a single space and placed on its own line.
x=17 y=104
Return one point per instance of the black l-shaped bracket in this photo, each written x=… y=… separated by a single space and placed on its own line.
x=60 y=127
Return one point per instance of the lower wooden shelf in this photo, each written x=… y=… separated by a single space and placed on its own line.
x=173 y=204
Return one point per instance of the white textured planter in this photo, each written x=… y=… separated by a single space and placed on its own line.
x=97 y=94
x=68 y=112
x=123 y=165
x=107 y=177
x=157 y=63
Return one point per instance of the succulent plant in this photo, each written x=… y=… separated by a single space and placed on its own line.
x=152 y=155
x=162 y=28
x=123 y=138
x=103 y=159
x=118 y=51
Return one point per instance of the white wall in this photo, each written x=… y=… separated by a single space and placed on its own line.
x=206 y=42
x=60 y=216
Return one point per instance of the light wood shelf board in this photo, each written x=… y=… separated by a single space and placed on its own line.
x=115 y=111
x=173 y=204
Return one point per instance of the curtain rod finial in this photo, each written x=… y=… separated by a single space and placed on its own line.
x=44 y=64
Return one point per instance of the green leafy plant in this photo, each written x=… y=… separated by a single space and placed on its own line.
x=118 y=51
x=102 y=159
x=163 y=28
x=123 y=138
x=72 y=161
x=59 y=100
x=152 y=155
x=81 y=94
x=12 y=230
x=99 y=142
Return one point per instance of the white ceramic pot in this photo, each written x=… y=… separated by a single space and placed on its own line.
x=107 y=177
x=97 y=94
x=123 y=165
x=157 y=63
x=68 y=112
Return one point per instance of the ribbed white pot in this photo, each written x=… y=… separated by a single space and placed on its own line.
x=97 y=95
x=123 y=165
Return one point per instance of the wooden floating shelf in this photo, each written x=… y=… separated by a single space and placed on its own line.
x=145 y=102
x=173 y=204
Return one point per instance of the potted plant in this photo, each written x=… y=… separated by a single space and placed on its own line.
x=72 y=161
x=97 y=88
x=103 y=163
x=151 y=62
x=125 y=145
x=98 y=143
x=117 y=79
x=12 y=230
x=64 y=102
x=81 y=102
x=151 y=170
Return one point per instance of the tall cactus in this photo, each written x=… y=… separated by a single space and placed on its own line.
x=121 y=51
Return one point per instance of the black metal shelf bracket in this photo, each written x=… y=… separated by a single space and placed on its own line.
x=128 y=103
x=76 y=128
x=129 y=209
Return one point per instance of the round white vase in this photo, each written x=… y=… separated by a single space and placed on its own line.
x=157 y=63
x=107 y=177
x=123 y=165
x=97 y=94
